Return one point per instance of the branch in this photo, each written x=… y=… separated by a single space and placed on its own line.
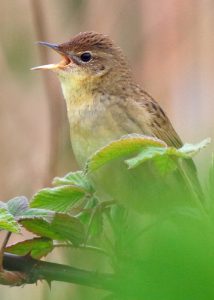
x=35 y=270
x=52 y=92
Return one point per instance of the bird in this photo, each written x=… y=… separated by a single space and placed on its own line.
x=104 y=103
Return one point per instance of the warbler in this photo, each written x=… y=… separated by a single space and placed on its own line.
x=105 y=103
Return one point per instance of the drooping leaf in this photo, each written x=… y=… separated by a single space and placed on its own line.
x=129 y=144
x=165 y=157
x=74 y=178
x=59 y=199
x=38 y=213
x=41 y=228
x=145 y=154
x=191 y=150
x=7 y=220
x=63 y=227
x=36 y=247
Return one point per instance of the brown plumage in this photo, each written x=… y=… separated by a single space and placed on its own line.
x=104 y=103
x=115 y=87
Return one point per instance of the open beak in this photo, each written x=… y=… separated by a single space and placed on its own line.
x=63 y=63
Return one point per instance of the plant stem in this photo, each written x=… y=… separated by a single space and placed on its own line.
x=191 y=188
x=42 y=270
x=52 y=94
x=82 y=247
x=3 y=246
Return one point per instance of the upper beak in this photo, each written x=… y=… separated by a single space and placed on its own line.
x=61 y=64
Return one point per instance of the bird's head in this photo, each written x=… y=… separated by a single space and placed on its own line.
x=89 y=56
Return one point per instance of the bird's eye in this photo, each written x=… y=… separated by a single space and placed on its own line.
x=86 y=56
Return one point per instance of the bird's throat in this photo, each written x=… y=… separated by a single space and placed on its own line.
x=77 y=90
x=83 y=109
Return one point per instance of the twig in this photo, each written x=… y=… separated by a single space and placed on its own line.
x=52 y=94
x=3 y=246
x=81 y=247
x=42 y=270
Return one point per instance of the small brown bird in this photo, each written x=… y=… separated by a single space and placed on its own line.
x=104 y=103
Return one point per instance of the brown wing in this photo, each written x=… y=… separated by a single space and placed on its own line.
x=162 y=128
x=158 y=125
x=153 y=121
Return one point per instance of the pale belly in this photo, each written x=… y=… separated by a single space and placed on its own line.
x=94 y=128
x=91 y=134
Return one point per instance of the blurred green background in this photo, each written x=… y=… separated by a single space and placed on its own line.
x=170 y=46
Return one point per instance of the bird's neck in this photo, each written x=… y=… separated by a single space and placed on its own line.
x=80 y=91
x=76 y=91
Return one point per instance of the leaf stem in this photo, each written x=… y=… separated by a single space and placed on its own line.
x=191 y=188
x=81 y=247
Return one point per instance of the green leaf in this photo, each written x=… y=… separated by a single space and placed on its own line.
x=165 y=157
x=95 y=227
x=146 y=154
x=191 y=150
x=37 y=247
x=59 y=199
x=38 y=213
x=7 y=220
x=18 y=209
x=127 y=145
x=165 y=164
x=63 y=227
x=17 y=206
x=74 y=178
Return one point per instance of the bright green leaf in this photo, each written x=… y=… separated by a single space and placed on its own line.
x=129 y=144
x=38 y=213
x=63 y=227
x=17 y=209
x=7 y=221
x=146 y=154
x=165 y=164
x=164 y=157
x=74 y=178
x=59 y=199
x=69 y=228
x=37 y=247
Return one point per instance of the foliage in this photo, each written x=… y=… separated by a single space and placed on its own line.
x=140 y=249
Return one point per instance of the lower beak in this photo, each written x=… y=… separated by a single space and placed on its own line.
x=46 y=67
x=59 y=65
